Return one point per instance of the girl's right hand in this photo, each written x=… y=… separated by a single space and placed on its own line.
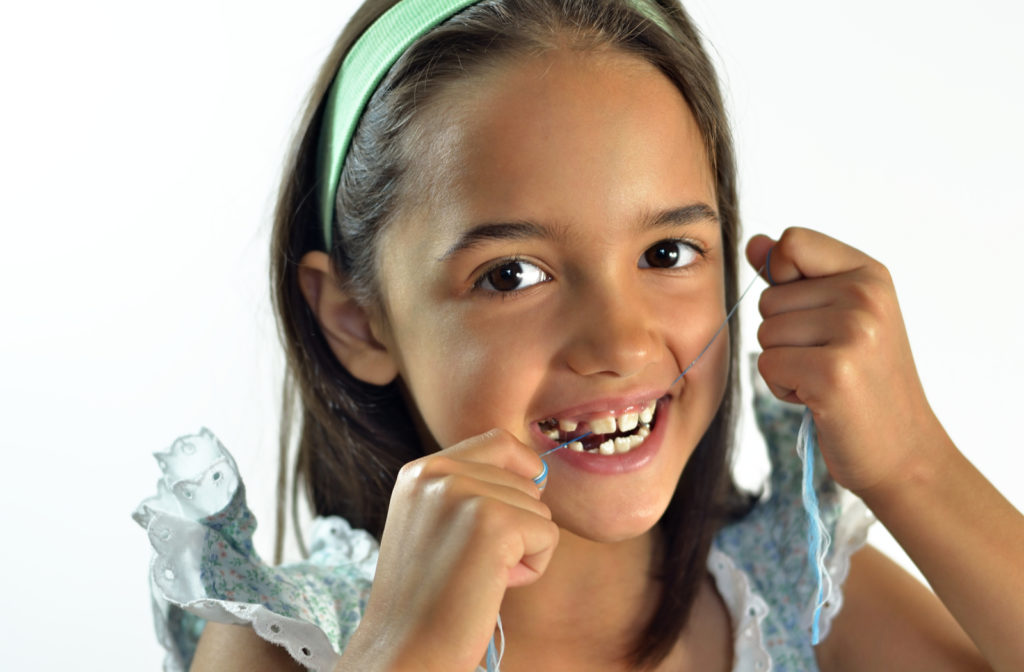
x=463 y=525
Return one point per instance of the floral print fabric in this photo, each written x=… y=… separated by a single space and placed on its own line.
x=205 y=567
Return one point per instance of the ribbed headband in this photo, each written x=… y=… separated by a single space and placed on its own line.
x=365 y=65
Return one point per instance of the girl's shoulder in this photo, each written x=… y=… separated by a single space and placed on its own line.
x=205 y=567
x=760 y=562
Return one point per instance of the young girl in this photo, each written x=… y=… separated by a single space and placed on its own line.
x=511 y=225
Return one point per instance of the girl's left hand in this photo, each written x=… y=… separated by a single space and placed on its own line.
x=833 y=339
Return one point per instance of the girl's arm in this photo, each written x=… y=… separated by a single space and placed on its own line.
x=967 y=539
x=834 y=339
x=463 y=525
x=223 y=648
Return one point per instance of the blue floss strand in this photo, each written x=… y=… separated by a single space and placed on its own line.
x=543 y=455
x=728 y=317
x=493 y=655
x=818 y=539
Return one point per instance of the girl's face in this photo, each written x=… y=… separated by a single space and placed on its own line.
x=559 y=257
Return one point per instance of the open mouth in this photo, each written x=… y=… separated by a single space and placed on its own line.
x=609 y=435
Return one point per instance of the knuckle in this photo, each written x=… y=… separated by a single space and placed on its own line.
x=764 y=365
x=880 y=271
x=873 y=298
x=792 y=238
x=763 y=331
x=434 y=473
x=839 y=373
x=502 y=439
x=862 y=327
x=765 y=304
x=448 y=486
x=488 y=515
x=435 y=466
x=411 y=471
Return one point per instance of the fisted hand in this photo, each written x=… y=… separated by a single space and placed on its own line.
x=833 y=339
x=463 y=525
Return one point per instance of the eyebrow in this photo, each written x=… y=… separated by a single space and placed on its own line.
x=481 y=233
x=684 y=216
x=522 y=229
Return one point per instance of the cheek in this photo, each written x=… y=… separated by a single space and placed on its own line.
x=466 y=377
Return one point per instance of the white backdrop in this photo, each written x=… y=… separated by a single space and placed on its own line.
x=140 y=147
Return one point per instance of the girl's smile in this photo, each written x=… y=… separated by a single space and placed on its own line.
x=559 y=262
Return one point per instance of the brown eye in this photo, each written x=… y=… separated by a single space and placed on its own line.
x=668 y=254
x=510 y=276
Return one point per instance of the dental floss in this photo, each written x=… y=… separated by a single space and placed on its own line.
x=720 y=327
x=818 y=538
x=493 y=655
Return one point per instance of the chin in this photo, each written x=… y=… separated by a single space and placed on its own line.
x=608 y=527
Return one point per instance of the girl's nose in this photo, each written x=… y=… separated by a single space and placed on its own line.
x=612 y=333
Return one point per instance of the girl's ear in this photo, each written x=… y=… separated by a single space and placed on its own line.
x=345 y=323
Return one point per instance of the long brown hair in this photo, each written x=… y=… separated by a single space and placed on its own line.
x=353 y=437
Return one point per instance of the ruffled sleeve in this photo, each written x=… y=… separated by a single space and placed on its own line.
x=762 y=559
x=204 y=566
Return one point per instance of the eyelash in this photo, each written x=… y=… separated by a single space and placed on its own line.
x=507 y=261
x=693 y=245
x=699 y=249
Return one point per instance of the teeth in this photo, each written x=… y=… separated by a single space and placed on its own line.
x=552 y=434
x=643 y=432
x=635 y=440
x=607 y=448
x=628 y=421
x=647 y=414
x=576 y=446
x=568 y=425
x=622 y=444
x=603 y=425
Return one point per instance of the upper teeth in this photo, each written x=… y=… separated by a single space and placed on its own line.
x=628 y=421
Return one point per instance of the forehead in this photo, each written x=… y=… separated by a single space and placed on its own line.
x=564 y=137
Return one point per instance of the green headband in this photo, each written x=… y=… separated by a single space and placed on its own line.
x=364 y=67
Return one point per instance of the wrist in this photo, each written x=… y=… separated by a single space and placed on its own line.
x=930 y=456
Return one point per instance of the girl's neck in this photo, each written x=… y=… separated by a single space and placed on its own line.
x=590 y=605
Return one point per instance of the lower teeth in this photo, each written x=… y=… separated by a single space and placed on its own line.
x=618 y=445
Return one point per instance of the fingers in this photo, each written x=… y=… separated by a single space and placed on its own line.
x=797 y=329
x=802 y=253
x=482 y=492
x=501 y=449
x=454 y=481
x=792 y=372
x=508 y=540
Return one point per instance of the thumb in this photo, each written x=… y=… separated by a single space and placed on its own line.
x=775 y=266
x=758 y=250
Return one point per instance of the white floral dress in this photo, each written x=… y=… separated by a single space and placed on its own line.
x=204 y=566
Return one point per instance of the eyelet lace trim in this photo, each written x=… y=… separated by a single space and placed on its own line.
x=747 y=609
x=200 y=480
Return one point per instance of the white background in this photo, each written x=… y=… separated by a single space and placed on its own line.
x=140 y=147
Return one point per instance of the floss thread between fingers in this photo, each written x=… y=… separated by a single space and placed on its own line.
x=768 y=266
x=818 y=538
